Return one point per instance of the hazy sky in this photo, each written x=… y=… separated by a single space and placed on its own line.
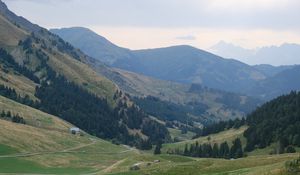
x=155 y=23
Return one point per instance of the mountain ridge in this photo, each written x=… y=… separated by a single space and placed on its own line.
x=184 y=64
x=284 y=54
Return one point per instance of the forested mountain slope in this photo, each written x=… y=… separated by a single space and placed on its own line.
x=55 y=75
x=275 y=121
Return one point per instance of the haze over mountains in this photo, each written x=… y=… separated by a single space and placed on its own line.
x=182 y=64
x=285 y=54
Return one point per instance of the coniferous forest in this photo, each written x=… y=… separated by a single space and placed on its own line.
x=94 y=115
x=208 y=150
x=275 y=121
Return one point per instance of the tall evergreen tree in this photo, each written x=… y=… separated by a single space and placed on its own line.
x=215 y=152
x=157 y=148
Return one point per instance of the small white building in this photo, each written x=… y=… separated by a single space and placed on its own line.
x=75 y=130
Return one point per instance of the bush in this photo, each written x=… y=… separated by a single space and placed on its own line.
x=290 y=149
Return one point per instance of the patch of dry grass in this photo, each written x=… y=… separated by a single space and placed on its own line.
x=21 y=84
x=228 y=136
x=10 y=34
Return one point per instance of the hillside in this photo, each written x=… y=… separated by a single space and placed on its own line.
x=41 y=70
x=212 y=105
x=275 y=122
x=45 y=142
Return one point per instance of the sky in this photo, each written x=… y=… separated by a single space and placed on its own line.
x=139 y=24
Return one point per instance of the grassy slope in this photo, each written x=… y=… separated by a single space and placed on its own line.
x=140 y=85
x=228 y=136
x=63 y=153
x=10 y=34
x=176 y=165
x=50 y=146
x=21 y=84
x=177 y=133
x=258 y=162
x=64 y=64
x=81 y=74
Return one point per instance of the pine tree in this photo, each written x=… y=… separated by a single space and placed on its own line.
x=186 y=151
x=2 y=114
x=236 y=150
x=157 y=148
x=215 y=152
x=224 y=150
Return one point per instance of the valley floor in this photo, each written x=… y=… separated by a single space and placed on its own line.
x=96 y=156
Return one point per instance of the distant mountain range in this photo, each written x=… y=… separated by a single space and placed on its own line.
x=285 y=54
x=184 y=64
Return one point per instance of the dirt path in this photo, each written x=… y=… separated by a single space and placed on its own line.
x=81 y=146
x=69 y=150
x=110 y=168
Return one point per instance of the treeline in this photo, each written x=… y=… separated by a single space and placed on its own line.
x=220 y=126
x=9 y=62
x=207 y=150
x=276 y=121
x=12 y=94
x=14 y=118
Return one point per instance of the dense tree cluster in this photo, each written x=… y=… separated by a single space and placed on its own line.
x=12 y=94
x=14 y=118
x=276 y=121
x=93 y=114
x=221 y=126
x=207 y=150
x=157 y=148
x=7 y=60
x=73 y=104
x=155 y=131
